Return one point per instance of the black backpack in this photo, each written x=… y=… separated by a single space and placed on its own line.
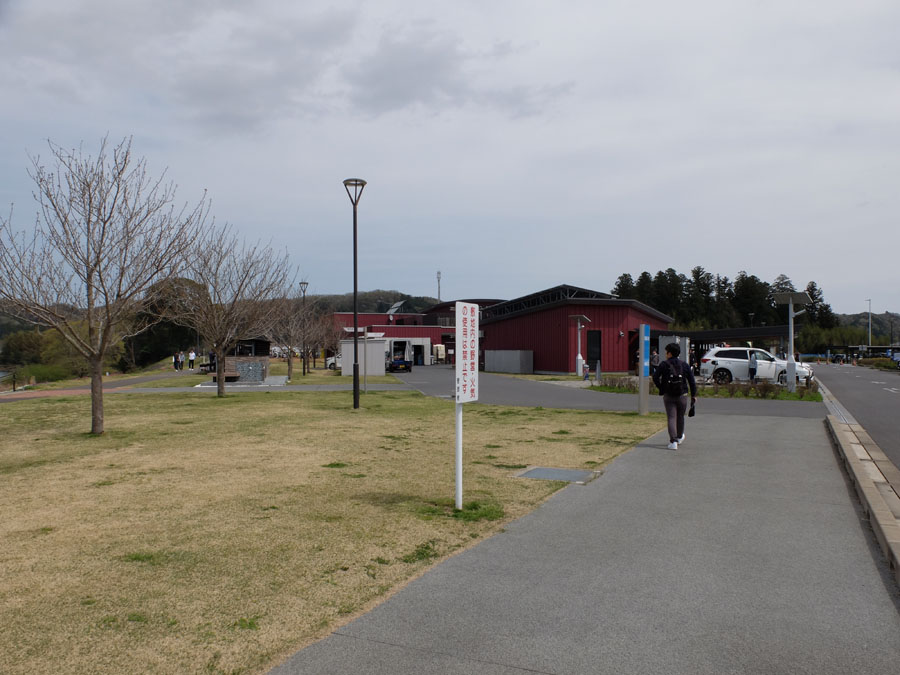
x=673 y=384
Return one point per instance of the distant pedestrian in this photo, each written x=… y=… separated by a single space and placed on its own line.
x=752 y=364
x=654 y=362
x=180 y=360
x=191 y=358
x=175 y=360
x=674 y=379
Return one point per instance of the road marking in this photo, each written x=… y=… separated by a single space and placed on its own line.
x=893 y=390
x=874 y=382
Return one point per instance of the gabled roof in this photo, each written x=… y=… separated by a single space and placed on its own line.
x=561 y=295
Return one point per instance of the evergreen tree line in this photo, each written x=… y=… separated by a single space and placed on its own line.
x=705 y=301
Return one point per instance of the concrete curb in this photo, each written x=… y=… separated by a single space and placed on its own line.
x=877 y=483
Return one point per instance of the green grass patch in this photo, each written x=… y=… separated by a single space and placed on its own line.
x=245 y=623
x=424 y=551
x=475 y=510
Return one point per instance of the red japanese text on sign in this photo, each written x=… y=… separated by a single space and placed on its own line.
x=467 y=350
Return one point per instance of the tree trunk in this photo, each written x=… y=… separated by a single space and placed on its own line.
x=290 y=364
x=96 y=367
x=220 y=374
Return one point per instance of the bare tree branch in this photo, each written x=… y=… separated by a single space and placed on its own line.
x=105 y=233
x=233 y=292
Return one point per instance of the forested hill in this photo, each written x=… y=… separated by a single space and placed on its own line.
x=886 y=324
x=372 y=301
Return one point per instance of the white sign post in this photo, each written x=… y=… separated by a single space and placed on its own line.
x=467 y=326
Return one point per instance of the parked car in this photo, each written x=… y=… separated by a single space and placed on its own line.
x=333 y=362
x=724 y=364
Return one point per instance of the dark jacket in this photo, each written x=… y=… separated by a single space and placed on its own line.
x=661 y=375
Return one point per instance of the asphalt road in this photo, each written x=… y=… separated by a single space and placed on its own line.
x=505 y=390
x=872 y=397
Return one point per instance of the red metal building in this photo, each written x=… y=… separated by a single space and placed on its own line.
x=543 y=323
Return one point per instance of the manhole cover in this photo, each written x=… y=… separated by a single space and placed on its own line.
x=568 y=475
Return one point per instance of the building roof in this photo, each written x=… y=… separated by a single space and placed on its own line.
x=448 y=307
x=562 y=295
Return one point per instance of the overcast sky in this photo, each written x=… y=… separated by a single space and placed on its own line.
x=512 y=145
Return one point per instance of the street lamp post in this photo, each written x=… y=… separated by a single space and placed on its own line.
x=303 y=286
x=357 y=184
x=869 y=300
x=579 y=362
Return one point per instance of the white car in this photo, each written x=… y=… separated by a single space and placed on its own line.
x=724 y=364
x=333 y=362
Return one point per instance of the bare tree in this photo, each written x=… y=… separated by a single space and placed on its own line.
x=234 y=295
x=328 y=334
x=293 y=328
x=105 y=233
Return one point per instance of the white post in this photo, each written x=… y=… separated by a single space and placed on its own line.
x=791 y=364
x=468 y=323
x=366 y=359
x=579 y=362
x=459 y=456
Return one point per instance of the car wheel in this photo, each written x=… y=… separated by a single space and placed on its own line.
x=782 y=377
x=722 y=376
x=332 y=366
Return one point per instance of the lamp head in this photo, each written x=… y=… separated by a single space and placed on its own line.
x=357 y=184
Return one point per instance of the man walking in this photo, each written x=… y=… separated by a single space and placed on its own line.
x=674 y=378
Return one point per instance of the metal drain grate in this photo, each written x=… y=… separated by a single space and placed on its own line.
x=568 y=475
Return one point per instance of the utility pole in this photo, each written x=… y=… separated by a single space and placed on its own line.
x=869 y=300
x=439 y=285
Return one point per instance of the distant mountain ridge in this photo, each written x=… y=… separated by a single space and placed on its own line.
x=884 y=325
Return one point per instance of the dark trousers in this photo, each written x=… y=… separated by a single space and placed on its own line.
x=675 y=408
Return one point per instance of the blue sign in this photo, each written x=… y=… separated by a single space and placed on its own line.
x=646 y=351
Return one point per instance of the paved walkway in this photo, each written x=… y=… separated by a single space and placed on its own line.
x=741 y=552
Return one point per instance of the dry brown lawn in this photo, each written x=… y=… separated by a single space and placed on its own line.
x=220 y=535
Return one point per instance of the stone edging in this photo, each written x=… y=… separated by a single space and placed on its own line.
x=877 y=483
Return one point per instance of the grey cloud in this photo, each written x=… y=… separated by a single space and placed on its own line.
x=225 y=64
x=433 y=71
x=262 y=71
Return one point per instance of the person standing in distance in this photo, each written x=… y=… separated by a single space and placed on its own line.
x=674 y=378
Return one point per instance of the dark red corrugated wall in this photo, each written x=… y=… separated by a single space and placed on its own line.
x=551 y=335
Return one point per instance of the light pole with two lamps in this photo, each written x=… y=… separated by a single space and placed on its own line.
x=791 y=298
x=357 y=184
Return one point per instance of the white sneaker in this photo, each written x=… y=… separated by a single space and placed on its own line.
x=672 y=446
x=680 y=439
